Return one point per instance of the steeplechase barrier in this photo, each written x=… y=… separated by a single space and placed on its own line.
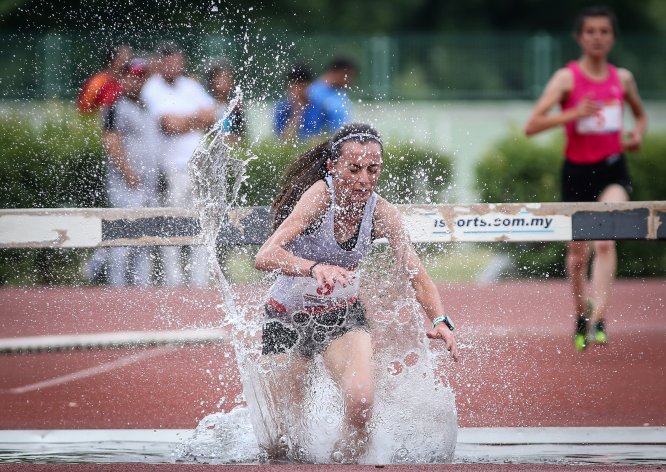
x=101 y=227
x=514 y=222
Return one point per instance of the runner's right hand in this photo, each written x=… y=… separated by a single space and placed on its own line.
x=587 y=107
x=441 y=331
x=329 y=275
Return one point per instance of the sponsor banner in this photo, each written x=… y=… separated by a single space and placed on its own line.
x=431 y=226
x=426 y=226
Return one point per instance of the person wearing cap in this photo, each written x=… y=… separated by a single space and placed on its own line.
x=183 y=111
x=295 y=116
x=130 y=139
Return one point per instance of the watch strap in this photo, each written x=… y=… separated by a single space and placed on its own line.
x=443 y=319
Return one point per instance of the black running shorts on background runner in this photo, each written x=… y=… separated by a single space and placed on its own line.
x=309 y=334
x=586 y=182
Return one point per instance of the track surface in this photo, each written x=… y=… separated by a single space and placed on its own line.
x=518 y=366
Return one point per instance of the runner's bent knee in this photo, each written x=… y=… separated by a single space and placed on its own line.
x=604 y=247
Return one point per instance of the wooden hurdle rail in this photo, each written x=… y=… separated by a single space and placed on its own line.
x=511 y=222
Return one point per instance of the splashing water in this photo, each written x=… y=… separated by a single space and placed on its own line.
x=414 y=414
x=216 y=180
x=414 y=417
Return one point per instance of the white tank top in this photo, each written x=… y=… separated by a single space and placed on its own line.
x=292 y=294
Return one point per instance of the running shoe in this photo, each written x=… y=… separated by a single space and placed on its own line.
x=580 y=335
x=599 y=333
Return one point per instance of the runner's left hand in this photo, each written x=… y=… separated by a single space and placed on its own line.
x=328 y=275
x=441 y=331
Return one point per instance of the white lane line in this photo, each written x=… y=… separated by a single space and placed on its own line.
x=501 y=436
x=55 y=436
x=92 y=371
x=564 y=435
x=117 y=339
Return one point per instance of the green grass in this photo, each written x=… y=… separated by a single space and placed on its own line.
x=455 y=262
x=238 y=265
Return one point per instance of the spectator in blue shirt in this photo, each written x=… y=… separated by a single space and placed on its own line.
x=295 y=117
x=328 y=96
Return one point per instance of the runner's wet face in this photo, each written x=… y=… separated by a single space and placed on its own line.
x=596 y=36
x=357 y=170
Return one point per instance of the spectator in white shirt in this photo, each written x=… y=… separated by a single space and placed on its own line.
x=183 y=110
x=130 y=139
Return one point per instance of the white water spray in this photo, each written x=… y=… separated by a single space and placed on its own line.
x=216 y=180
x=414 y=416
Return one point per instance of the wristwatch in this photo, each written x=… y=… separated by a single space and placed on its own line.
x=443 y=319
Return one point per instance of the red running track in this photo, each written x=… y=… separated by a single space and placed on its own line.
x=518 y=365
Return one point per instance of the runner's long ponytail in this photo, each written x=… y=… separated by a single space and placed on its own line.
x=301 y=174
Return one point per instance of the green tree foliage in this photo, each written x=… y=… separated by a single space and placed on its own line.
x=520 y=170
x=53 y=161
x=311 y=16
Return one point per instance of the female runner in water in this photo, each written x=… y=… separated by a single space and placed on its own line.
x=325 y=219
x=591 y=93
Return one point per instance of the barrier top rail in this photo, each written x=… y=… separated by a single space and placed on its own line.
x=513 y=222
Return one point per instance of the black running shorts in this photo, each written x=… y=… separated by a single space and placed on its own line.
x=309 y=334
x=586 y=182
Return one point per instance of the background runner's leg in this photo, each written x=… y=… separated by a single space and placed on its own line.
x=578 y=256
x=604 y=264
x=118 y=266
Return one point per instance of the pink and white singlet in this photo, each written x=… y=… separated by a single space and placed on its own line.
x=592 y=139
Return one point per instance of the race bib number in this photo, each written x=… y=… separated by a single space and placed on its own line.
x=330 y=296
x=607 y=120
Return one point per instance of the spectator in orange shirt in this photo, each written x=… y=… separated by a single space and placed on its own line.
x=103 y=88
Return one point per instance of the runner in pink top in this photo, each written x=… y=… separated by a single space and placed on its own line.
x=591 y=93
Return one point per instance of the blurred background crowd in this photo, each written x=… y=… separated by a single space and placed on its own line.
x=154 y=116
x=448 y=84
